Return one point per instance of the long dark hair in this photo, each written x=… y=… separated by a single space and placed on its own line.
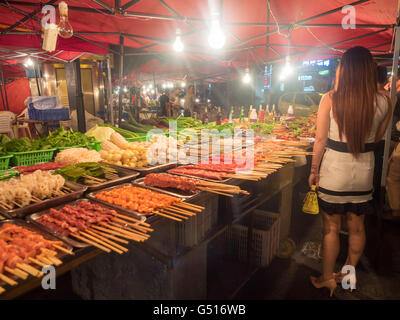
x=354 y=97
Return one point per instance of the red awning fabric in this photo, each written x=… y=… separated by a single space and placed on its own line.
x=149 y=28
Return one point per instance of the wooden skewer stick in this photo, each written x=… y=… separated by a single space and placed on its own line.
x=63 y=249
x=16 y=272
x=6 y=205
x=181 y=210
x=8 y=280
x=131 y=219
x=112 y=243
x=120 y=229
x=217 y=192
x=91 y=242
x=101 y=242
x=174 y=214
x=16 y=203
x=29 y=269
x=44 y=260
x=39 y=263
x=182 y=205
x=106 y=235
x=166 y=216
x=2 y=290
x=192 y=205
x=141 y=228
x=129 y=229
x=54 y=260
x=48 y=252
x=126 y=236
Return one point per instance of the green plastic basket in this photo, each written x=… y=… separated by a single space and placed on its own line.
x=5 y=162
x=29 y=158
x=92 y=146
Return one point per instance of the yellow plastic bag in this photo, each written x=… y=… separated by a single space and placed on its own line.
x=311 y=202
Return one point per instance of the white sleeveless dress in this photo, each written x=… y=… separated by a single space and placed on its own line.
x=344 y=180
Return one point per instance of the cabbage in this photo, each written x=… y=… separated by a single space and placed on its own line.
x=100 y=133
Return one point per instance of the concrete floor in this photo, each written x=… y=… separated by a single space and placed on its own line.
x=378 y=274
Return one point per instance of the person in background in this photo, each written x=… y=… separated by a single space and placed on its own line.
x=382 y=77
x=351 y=119
x=164 y=101
x=190 y=101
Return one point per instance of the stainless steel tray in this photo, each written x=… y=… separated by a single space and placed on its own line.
x=196 y=177
x=125 y=175
x=158 y=168
x=92 y=195
x=71 y=241
x=173 y=192
x=78 y=191
x=46 y=235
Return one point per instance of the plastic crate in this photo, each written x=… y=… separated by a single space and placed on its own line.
x=92 y=146
x=266 y=232
x=49 y=115
x=5 y=162
x=29 y=158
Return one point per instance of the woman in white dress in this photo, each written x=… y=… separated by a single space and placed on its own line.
x=351 y=119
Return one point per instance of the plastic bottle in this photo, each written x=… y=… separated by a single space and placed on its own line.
x=241 y=119
x=290 y=111
x=218 y=117
x=250 y=110
x=266 y=113
x=231 y=116
x=253 y=116
x=204 y=119
x=261 y=115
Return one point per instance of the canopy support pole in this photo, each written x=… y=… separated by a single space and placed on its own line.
x=80 y=107
x=121 y=73
x=1 y=91
x=110 y=99
x=5 y=90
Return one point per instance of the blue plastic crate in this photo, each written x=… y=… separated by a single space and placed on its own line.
x=48 y=115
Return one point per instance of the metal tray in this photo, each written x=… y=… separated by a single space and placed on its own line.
x=71 y=241
x=173 y=192
x=205 y=179
x=91 y=196
x=125 y=175
x=157 y=168
x=79 y=190
x=46 y=235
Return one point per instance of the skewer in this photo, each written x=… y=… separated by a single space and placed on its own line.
x=2 y=290
x=48 y=252
x=166 y=216
x=192 y=205
x=44 y=260
x=135 y=238
x=6 y=205
x=63 y=249
x=39 y=263
x=101 y=242
x=16 y=272
x=106 y=235
x=141 y=228
x=124 y=231
x=131 y=219
x=93 y=178
x=217 y=192
x=54 y=260
x=181 y=205
x=8 y=280
x=174 y=214
x=16 y=203
x=67 y=189
x=129 y=229
x=29 y=269
x=91 y=242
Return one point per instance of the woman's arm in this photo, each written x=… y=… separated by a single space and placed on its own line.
x=323 y=121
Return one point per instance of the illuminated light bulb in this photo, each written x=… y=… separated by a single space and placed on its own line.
x=182 y=101
x=152 y=91
x=216 y=38
x=64 y=28
x=150 y=86
x=208 y=100
x=197 y=100
x=125 y=89
x=246 y=77
x=286 y=71
x=28 y=63
x=178 y=44
x=183 y=84
x=164 y=85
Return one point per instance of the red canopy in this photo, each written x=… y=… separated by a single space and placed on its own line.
x=296 y=28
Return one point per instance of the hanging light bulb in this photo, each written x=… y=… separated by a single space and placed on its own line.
x=125 y=89
x=64 y=28
x=287 y=70
x=216 y=38
x=246 y=77
x=178 y=44
x=28 y=63
x=183 y=84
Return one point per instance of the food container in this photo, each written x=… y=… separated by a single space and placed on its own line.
x=172 y=192
x=136 y=214
x=125 y=175
x=78 y=191
x=29 y=158
x=34 y=228
x=70 y=240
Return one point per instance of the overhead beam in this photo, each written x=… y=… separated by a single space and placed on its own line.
x=166 y=5
x=104 y=5
x=95 y=44
x=71 y=8
x=129 y=4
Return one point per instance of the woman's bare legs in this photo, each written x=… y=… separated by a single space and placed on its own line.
x=356 y=238
x=330 y=244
